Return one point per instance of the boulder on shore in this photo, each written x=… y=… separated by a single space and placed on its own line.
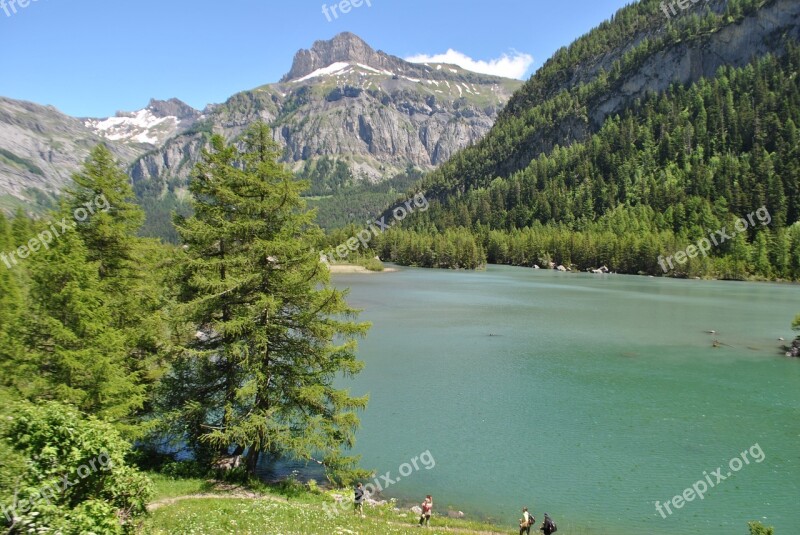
x=794 y=349
x=228 y=463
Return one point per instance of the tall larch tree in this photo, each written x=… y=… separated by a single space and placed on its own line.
x=269 y=334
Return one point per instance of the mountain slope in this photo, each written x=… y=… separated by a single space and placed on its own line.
x=153 y=125
x=343 y=114
x=377 y=112
x=40 y=148
x=605 y=72
x=663 y=171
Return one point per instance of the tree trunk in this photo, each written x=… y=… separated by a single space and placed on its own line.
x=252 y=460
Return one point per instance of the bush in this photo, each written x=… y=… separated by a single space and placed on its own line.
x=184 y=469
x=67 y=473
x=372 y=264
x=757 y=528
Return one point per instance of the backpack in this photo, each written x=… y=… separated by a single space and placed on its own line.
x=553 y=527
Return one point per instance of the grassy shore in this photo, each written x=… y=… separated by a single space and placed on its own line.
x=197 y=506
x=206 y=507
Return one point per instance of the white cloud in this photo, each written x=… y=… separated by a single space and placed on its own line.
x=510 y=66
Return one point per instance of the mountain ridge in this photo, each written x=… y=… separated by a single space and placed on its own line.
x=375 y=113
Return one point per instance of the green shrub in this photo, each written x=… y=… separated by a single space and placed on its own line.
x=184 y=469
x=67 y=473
x=372 y=264
x=757 y=528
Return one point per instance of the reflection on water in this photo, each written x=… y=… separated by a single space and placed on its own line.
x=271 y=470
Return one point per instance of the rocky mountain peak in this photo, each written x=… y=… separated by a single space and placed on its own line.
x=172 y=108
x=345 y=47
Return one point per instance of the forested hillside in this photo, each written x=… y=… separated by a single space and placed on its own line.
x=667 y=171
x=230 y=343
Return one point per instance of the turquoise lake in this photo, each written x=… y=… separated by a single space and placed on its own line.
x=589 y=397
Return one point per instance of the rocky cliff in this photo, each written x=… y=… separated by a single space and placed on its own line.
x=342 y=99
x=650 y=54
x=40 y=148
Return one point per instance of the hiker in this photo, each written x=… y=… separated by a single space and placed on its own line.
x=526 y=522
x=548 y=526
x=358 y=500
x=427 y=507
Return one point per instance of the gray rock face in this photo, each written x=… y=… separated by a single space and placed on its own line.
x=341 y=98
x=175 y=158
x=734 y=45
x=686 y=61
x=343 y=47
x=376 y=112
x=40 y=148
x=173 y=108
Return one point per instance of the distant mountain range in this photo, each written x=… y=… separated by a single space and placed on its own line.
x=372 y=114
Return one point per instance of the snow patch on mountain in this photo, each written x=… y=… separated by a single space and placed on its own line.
x=140 y=127
x=335 y=68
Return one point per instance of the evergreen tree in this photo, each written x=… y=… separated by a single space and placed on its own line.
x=10 y=306
x=9 y=291
x=264 y=357
x=72 y=353
x=102 y=204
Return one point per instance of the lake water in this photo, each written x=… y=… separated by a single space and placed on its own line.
x=589 y=397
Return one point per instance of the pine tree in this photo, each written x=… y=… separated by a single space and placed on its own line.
x=9 y=291
x=73 y=354
x=107 y=217
x=266 y=317
x=10 y=306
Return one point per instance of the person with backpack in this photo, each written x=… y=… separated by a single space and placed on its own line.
x=358 y=500
x=526 y=522
x=548 y=526
x=427 y=507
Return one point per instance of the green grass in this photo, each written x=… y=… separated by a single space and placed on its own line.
x=286 y=509
x=168 y=487
x=289 y=508
x=17 y=161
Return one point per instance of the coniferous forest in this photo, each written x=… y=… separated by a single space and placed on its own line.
x=671 y=170
x=225 y=345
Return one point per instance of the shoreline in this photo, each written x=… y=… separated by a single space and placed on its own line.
x=353 y=268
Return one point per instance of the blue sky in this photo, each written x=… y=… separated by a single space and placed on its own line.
x=94 y=57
